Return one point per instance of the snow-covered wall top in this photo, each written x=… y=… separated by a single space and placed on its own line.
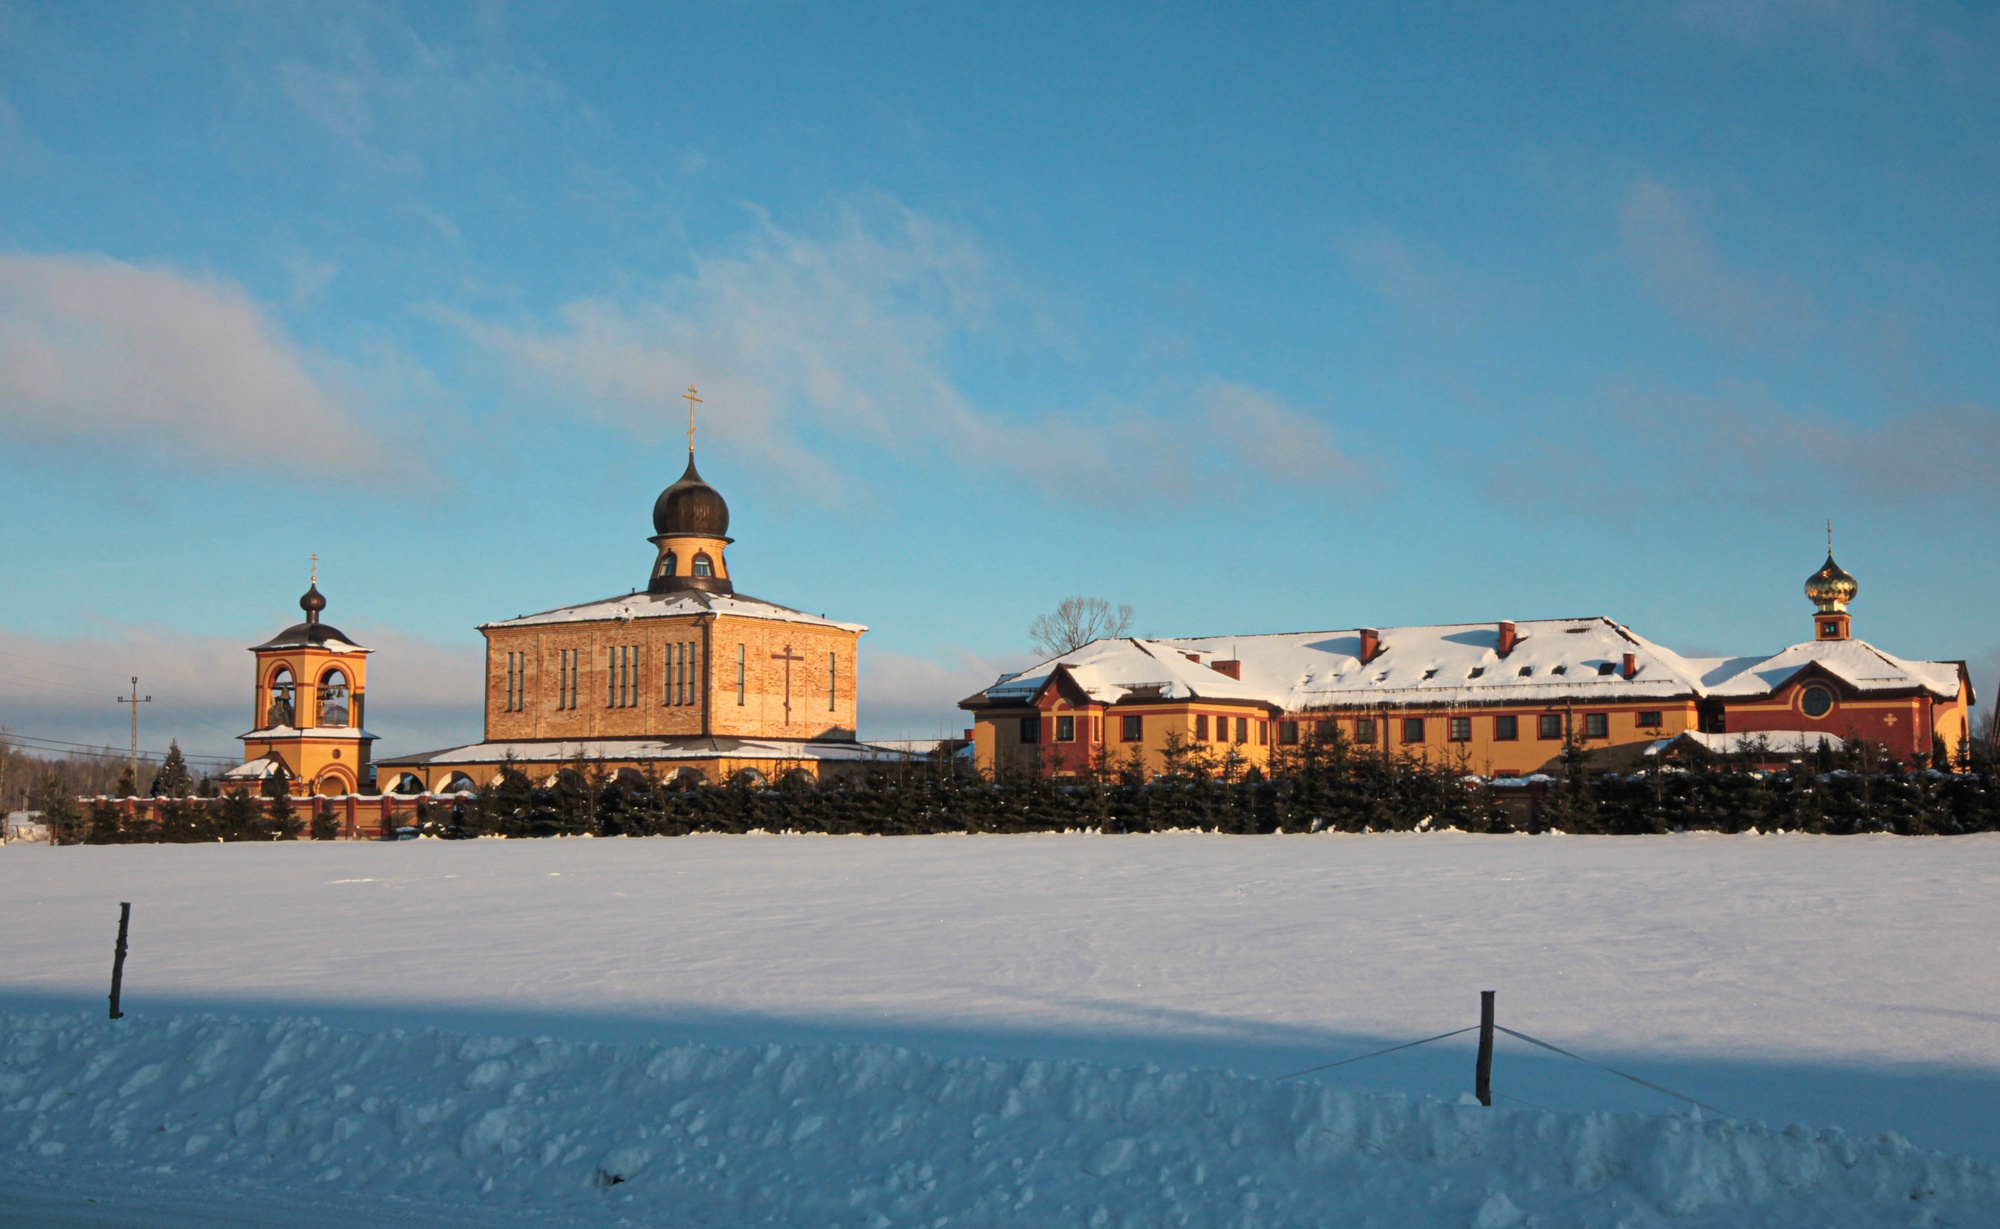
x=680 y=603
x=1551 y=660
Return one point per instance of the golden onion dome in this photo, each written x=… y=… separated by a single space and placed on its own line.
x=1831 y=588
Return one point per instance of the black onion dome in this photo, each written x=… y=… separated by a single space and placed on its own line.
x=312 y=603
x=691 y=508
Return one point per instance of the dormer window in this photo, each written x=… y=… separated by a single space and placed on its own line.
x=1560 y=670
x=1525 y=671
x=1431 y=673
x=1605 y=667
x=1381 y=676
x=703 y=566
x=1476 y=671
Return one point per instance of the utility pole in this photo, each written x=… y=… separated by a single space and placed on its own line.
x=135 y=701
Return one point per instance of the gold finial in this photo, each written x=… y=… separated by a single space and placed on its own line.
x=691 y=400
x=315 y=569
x=1829 y=537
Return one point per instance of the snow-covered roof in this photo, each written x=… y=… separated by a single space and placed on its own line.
x=680 y=603
x=1779 y=742
x=252 y=770
x=1551 y=661
x=562 y=751
x=1857 y=663
x=312 y=731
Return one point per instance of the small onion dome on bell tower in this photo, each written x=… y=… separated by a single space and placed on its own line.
x=690 y=528
x=312 y=603
x=1831 y=589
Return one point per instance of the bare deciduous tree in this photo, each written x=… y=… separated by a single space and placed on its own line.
x=1077 y=621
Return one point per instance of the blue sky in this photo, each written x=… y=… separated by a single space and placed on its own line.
x=1313 y=316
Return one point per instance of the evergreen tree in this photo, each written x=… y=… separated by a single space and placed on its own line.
x=281 y=818
x=173 y=780
x=104 y=828
x=239 y=818
x=128 y=784
x=325 y=823
x=53 y=797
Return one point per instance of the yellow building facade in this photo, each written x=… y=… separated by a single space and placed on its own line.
x=687 y=679
x=306 y=704
x=1495 y=699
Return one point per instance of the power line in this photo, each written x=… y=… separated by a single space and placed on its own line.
x=101 y=750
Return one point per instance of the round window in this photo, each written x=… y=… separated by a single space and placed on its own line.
x=1817 y=701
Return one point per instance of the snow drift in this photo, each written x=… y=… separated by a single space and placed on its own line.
x=877 y=1136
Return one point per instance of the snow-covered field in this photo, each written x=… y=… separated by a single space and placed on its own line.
x=809 y=1031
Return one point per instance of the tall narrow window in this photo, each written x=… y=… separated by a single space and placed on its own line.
x=832 y=679
x=689 y=677
x=742 y=667
x=702 y=567
x=1243 y=729
x=612 y=677
x=677 y=674
x=1201 y=727
x=569 y=664
x=1413 y=729
x=1364 y=731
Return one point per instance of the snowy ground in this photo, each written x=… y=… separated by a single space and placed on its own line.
x=1844 y=983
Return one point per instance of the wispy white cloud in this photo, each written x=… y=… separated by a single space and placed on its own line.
x=99 y=353
x=371 y=80
x=1424 y=284
x=1273 y=437
x=1667 y=243
x=795 y=337
x=907 y=696
x=1736 y=444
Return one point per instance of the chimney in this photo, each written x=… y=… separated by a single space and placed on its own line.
x=1507 y=638
x=1631 y=665
x=1371 y=644
x=1234 y=669
x=1193 y=657
x=968 y=735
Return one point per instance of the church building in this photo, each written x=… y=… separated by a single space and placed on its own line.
x=1495 y=699
x=687 y=679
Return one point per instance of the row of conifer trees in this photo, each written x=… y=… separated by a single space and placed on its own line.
x=1319 y=786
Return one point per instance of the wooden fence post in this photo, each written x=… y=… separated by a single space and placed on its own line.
x=118 y=957
x=1483 y=1075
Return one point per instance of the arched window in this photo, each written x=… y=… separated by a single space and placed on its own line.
x=702 y=566
x=279 y=711
x=667 y=564
x=460 y=783
x=333 y=699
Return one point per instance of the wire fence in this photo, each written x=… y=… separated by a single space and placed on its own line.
x=1487 y=1027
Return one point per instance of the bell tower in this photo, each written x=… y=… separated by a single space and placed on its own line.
x=306 y=708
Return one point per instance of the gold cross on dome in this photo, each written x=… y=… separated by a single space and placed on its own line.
x=692 y=400
x=315 y=569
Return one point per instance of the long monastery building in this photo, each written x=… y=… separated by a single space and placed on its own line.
x=1499 y=698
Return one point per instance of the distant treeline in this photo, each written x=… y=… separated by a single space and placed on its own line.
x=1319 y=787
